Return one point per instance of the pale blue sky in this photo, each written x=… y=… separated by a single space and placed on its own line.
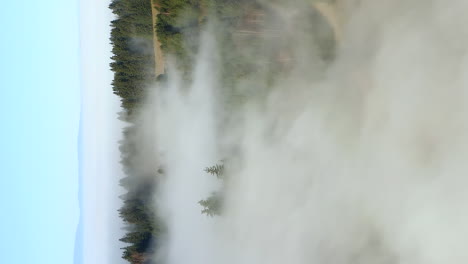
x=53 y=53
x=40 y=83
x=54 y=59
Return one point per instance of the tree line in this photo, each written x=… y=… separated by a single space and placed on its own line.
x=133 y=67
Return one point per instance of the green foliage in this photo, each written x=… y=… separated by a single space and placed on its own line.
x=133 y=55
x=217 y=170
x=178 y=28
x=212 y=205
x=180 y=20
x=143 y=228
x=133 y=67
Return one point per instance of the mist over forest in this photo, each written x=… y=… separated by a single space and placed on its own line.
x=301 y=131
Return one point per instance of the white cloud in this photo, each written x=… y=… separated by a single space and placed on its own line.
x=101 y=131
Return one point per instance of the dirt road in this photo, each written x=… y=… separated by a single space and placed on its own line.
x=159 y=59
x=332 y=12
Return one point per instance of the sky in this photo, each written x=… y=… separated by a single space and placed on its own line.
x=50 y=60
x=40 y=111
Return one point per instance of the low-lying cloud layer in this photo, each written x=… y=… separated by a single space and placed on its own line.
x=357 y=160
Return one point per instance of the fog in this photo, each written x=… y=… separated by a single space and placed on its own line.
x=100 y=225
x=356 y=160
x=186 y=139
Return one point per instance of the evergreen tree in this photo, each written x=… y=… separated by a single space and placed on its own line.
x=213 y=205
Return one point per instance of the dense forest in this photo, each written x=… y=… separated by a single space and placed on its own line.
x=178 y=27
x=134 y=70
x=133 y=67
x=301 y=180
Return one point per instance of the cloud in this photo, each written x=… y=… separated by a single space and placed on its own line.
x=100 y=135
x=359 y=160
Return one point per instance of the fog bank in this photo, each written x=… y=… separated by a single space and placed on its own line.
x=359 y=159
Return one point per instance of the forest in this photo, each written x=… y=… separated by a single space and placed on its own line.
x=291 y=137
x=178 y=28
x=133 y=67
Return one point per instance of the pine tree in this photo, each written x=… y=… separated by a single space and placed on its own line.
x=216 y=170
x=212 y=205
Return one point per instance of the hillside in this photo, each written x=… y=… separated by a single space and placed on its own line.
x=147 y=32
